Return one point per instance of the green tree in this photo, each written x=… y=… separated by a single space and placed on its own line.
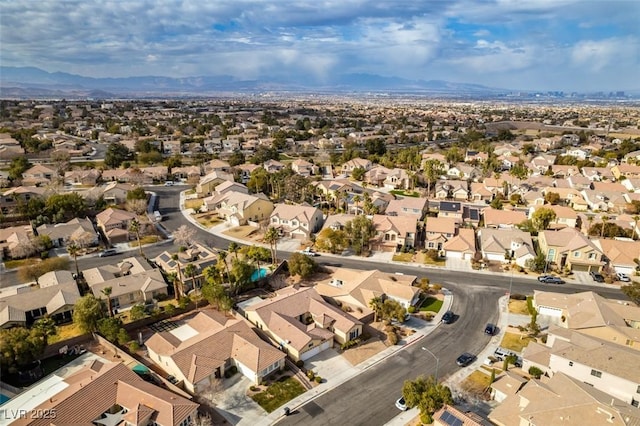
x=234 y=248
x=109 y=328
x=241 y=273
x=137 y=312
x=360 y=230
x=216 y=295
x=537 y=264
x=107 y=293
x=74 y=251
x=17 y=167
x=331 y=240
x=426 y=394
x=393 y=310
x=432 y=170
x=19 y=347
x=116 y=154
x=259 y=181
x=135 y=227
x=62 y=207
x=301 y=264
x=137 y=193
x=552 y=198
x=542 y=218
x=271 y=237
x=632 y=291
x=358 y=173
x=87 y=312
x=45 y=327
x=535 y=372
x=376 y=306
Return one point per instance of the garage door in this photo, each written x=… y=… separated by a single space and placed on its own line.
x=545 y=310
x=315 y=351
x=580 y=268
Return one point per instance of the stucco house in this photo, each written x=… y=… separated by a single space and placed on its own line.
x=569 y=248
x=296 y=221
x=238 y=208
x=500 y=244
x=394 y=233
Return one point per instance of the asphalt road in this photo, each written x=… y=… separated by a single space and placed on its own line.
x=369 y=397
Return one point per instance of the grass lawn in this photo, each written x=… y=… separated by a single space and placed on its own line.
x=11 y=264
x=431 y=304
x=193 y=204
x=515 y=342
x=405 y=193
x=518 y=307
x=402 y=257
x=476 y=382
x=208 y=219
x=147 y=239
x=190 y=192
x=65 y=332
x=278 y=393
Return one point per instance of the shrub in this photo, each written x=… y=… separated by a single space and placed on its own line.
x=412 y=309
x=535 y=372
x=253 y=388
x=133 y=346
x=231 y=371
x=184 y=302
x=436 y=287
x=393 y=337
x=318 y=379
x=299 y=363
x=170 y=309
x=311 y=375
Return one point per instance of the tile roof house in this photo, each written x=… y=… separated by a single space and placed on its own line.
x=303 y=167
x=495 y=218
x=273 y=166
x=209 y=181
x=452 y=189
x=506 y=384
x=186 y=172
x=115 y=224
x=14 y=240
x=245 y=171
x=200 y=351
x=12 y=197
x=356 y=289
x=216 y=165
x=239 y=208
x=301 y=322
x=569 y=248
x=619 y=254
x=393 y=233
x=39 y=175
x=566 y=217
x=630 y=171
x=79 y=230
x=450 y=209
x=462 y=245
x=82 y=177
x=416 y=207
x=495 y=244
x=562 y=400
x=354 y=163
x=112 y=192
x=296 y=221
x=197 y=255
x=110 y=394
x=54 y=295
x=131 y=289
x=439 y=230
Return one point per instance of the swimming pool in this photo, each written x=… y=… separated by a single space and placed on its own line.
x=259 y=273
x=3 y=398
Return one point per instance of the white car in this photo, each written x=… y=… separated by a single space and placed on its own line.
x=623 y=277
x=309 y=252
x=401 y=404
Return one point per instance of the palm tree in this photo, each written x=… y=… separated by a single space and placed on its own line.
x=234 y=248
x=605 y=219
x=107 y=292
x=74 y=251
x=356 y=201
x=376 y=305
x=271 y=237
x=222 y=259
x=636 y=218
x=134 y=226
x=172 y=277
x=190 y=270
x=590 y=220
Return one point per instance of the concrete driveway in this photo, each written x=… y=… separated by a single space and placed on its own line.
x=234 y=404
x=328 y=364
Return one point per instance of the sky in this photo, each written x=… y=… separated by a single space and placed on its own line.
x=567 y=45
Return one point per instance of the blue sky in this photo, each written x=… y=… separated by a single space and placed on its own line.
x=519 y=44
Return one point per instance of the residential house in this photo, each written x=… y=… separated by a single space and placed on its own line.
x=630 y=171
x=355 y=163
x=597 y=174
x=128 y=289
x=398 y=179
x=620 y=254
x=448 y=415
x=301 y=322
x=245 y=171
x=452 y=190
x=131 y=175
x=39 y=175
x=463 y=171
x=480 y=192
x=102 y=393
x=80 y=231
x=189 y=173
x=209 y=181
x=356 y=289
x=562 y=400
x=272 y=166
x=566 y=217
x=415 y=207
x=394 y=233
x=200 y=351
x=16 y=241
x=506 y=384
x=198 y=255
x=296 y=221
x=111 y=193
x=114 y=224
x=475 y=157
x=569 y=197
x=632 y=185
x=54 y=295
x=13 y=197
x=303 y=167
x=156 y=173
x=569 y=248
x=82 y=177
x=577 y=182
x=217 y=165
x=462 y=245
x=238 y=208
x=603 y=200
x=434 y=156
x=471 y=215
x=229 y=186
x=450 y=209
x=439 y=230
x=504 y=244
x=128 y=266
x=376 y=176
x=495 y=218
x=541 y=163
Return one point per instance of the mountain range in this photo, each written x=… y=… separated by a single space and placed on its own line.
x=31 y=82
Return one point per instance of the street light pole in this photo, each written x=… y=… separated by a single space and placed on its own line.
x=437 y=361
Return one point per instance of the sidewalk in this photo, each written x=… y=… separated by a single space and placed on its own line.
x=421 y=330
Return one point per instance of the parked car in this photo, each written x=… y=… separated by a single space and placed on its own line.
x=448 y=317
x=623 y=277
x=108 y=252
x=597 y=276
x=309 y=252
x=501 y=353
x=169 y=183
x=401 y=404
x=172 y=379
x=550 y=279
x=465 y=359
x=490 y=329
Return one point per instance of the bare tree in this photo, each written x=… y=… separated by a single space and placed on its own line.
x=137 y=206
x=183 y=236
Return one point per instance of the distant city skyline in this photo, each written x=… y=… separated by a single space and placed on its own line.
x=560 y=45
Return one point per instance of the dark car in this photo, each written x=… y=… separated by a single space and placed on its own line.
x=465 y=359
x=448 y=317
x=550 y=279
x=490 y=329
x=597 y=277
x=108 y=252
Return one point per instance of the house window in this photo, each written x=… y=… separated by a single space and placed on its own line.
x=634 y=403
x=311 y=344
x=551 y=254
x=596 y=373
x=576 y=254
x=354 y=334
x=638 y=390
x=592 y=256
x=570 y=363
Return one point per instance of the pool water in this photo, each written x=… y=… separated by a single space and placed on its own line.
x=259 y=273
x=3 y=398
